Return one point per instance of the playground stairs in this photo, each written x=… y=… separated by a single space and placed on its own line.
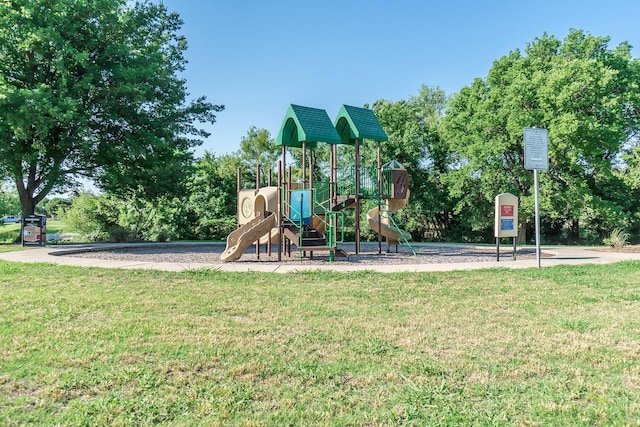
x=308 y=239
x=343 y=202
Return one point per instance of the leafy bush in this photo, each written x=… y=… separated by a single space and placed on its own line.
x=93 y=217
x=617 y=238
x=57 y=206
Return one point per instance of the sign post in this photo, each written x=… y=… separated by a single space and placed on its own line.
x=536 y=157
x=506 y=223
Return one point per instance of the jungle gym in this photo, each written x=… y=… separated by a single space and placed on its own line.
x=310 y=215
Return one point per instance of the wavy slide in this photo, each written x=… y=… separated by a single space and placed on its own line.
x=388 y=229
x=239 y=240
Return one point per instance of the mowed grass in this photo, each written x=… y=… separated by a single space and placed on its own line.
x=557 y=346
x=9 y=233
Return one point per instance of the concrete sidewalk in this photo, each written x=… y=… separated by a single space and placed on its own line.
x=554 y=256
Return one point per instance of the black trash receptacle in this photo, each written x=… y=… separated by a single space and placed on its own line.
x=34 y=230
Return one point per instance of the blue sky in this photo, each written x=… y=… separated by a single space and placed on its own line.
x=257 y=57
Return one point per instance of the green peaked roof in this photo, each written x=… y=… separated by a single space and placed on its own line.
x=360 y=123
x=393 y=165
x=307 y=124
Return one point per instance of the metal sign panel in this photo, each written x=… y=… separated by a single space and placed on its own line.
x=506 y=215
x=536 y=149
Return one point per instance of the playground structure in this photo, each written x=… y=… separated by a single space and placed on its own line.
x=310 y=215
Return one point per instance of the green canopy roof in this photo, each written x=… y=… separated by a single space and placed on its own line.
x=310 y=125
x=358 y=123
x=393 y=165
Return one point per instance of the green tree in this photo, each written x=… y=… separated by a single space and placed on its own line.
x=90 y=88
x=629 y=173
x=213 y=199
x=412 y=128
x=9 y=202
x=57 y=206
x=208 y=209
x=585 y=94
x=95 y=218
x=258 y=148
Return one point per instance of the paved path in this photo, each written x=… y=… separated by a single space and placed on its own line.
x=558 y=256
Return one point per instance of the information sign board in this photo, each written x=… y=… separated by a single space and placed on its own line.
x=506 y=224
x=506 y=211
x=536 y=149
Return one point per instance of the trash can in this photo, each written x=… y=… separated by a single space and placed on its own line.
x=34 y=230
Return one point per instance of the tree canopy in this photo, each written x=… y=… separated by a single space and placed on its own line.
x=258 y=148
x=412 y=126
x=91 y=88
x=584 y=93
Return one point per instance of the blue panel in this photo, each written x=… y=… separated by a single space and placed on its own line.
x=506 y=224
x=301 y=205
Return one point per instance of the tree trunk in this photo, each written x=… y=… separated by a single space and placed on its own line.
x=574 y=232
x=27 y=201
x=521 y=239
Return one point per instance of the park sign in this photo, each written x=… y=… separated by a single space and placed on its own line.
x=506 y=220
x=536 y=157
x=506 y=215
x=536 y=149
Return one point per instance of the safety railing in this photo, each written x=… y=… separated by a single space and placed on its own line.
x=384 y=213
x=321 y=197
x=334 y=222
x=368 y=182
x=289 y=213
x=345 y=186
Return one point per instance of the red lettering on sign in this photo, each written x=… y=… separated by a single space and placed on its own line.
x=506 y=210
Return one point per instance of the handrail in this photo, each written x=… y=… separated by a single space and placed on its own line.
x=403 y=239
x=299 y=224
x=331 y=231
x=332 y=227
x=402 y=235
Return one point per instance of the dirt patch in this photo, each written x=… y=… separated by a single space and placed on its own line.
x=629 y=249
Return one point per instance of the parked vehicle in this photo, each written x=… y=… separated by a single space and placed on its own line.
x=10 y=219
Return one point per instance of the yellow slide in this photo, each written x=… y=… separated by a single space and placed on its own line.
x=387 y=228
x=245 y=236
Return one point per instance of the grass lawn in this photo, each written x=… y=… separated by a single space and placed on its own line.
x=10 y=247
x=9 y=233
x=557 y=346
